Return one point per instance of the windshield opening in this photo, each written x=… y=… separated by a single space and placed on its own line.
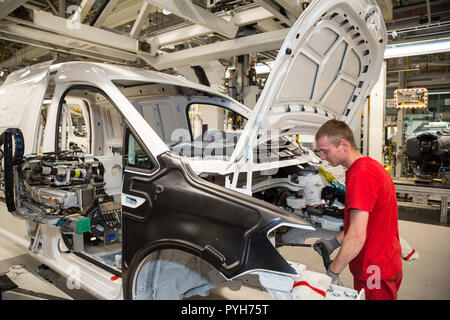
x=193 y=123
x=206 y=118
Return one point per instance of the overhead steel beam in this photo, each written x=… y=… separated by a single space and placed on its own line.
x=85 y=7
x=105 y=13
x=241 y=18
x=84 y=32
x=50 y=47
x=291 y=6
x=220 y=50
x=189 y=11
x=124 y=12
x=442 y=81
x=80 y=12
x=249 y=16
x=275 y=9
x=140 y=20
x=177 y=35
x=8 y=6
x=267 y=25
x=50 y=40
x=52 y=7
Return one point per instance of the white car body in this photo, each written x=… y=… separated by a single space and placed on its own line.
x=325 y=69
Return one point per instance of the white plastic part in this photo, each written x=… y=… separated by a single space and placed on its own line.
x=408 y=253
x=313 y=189
x=333 y=224
x=341 y=293
x=296 y=203
x=312 y=286
x=131 y=201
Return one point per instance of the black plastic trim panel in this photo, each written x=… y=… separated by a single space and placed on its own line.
x=223 y=227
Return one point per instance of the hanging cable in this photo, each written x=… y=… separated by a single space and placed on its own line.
x=235 y=72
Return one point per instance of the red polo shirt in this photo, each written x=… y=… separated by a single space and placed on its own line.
x=370 y=188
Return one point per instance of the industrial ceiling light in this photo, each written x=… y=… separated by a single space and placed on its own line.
x=435 y=93
x=417 y=48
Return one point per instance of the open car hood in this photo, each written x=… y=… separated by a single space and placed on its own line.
x=325 y=68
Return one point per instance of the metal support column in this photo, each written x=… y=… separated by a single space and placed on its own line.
x=444 y=209
x=365 y=128
x=62 y=8
x=401 y=115
x=376 y=117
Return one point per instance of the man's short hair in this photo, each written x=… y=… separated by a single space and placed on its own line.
x=336 y=130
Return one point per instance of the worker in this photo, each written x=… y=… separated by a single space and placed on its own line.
x=370 y=242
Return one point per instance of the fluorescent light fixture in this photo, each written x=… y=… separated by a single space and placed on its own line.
x=47 y=102
x=417 y=48
x=432 y=93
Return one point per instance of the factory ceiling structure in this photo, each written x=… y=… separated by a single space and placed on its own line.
x=170 y=34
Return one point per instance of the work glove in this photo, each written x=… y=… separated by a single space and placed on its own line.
x=334 y=276
x=329 y=244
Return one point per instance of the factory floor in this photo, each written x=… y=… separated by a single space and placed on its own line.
x=424 y=279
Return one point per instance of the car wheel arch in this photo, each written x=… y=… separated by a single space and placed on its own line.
x=131 y=273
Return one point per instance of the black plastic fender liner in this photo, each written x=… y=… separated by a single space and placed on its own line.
x=9 y=175
x=19 y=144
x=262 y=255
x=130 y=272
x=10 y=160
x=225 y=228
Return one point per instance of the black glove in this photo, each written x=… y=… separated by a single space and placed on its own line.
x=334 y=276
x=329 y=244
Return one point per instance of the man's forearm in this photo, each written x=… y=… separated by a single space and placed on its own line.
x=351 y=246
x=353 y=241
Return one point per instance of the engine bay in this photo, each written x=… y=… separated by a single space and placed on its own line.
x=66 y=189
